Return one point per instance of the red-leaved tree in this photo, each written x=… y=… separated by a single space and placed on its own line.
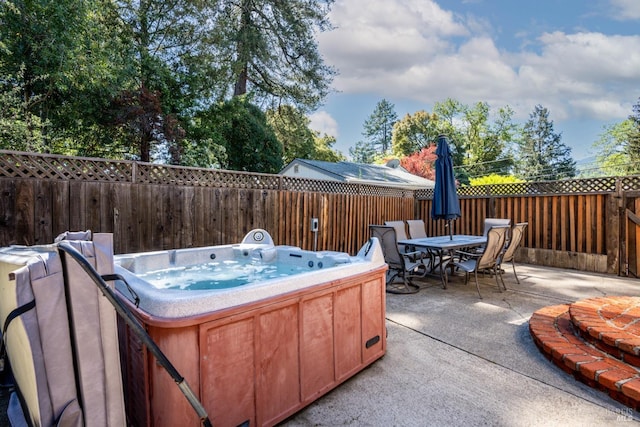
x=421 y=163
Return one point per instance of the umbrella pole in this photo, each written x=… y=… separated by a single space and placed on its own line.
x=450 y=231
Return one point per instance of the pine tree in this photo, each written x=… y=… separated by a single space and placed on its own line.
x=363 y=152
x=378 y=128
x=270 y=49
x=543 y=156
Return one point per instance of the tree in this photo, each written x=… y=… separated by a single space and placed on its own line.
x=414 y=132
x=250 y=143
x=174 y=56
x=324 y=148
x=64 y=59
x=613 y=157
x=270 y=50
x=378 y=126
x=449 y=113
x=618 y=149
x=542 y=154
x=633 y=145
x=20 y=129
x=421 y=163
x=139 y=114
x=486 y=143
x=363 y=152
x=291 y=127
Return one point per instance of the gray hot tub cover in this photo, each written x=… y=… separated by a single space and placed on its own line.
x=66 y=323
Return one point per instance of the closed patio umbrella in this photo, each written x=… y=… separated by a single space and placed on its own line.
x=445 y=198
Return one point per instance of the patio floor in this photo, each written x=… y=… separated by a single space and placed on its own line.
x=453 y=359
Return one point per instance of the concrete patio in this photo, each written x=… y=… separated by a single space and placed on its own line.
x=453 y=359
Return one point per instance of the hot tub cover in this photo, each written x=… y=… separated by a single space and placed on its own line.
x=56 y=325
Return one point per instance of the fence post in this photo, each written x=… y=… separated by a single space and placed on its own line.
x=616 y=239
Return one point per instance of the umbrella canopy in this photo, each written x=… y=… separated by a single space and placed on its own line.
x=445 y=198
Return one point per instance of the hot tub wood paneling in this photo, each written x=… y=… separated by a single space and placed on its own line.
x=261 y=362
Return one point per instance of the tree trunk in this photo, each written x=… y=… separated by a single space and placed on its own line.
x=241 y=83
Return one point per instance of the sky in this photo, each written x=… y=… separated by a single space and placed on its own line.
x=578 y=58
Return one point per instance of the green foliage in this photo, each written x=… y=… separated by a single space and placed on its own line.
x=269 y=50
x=363 y=152
x=542 y=155
x=449 y=113
x=206 y=153
x=65 y=59
x=486 y=143
x=291 y=127
x=613 y=156
x=323 y=148
x=414 y=132
x=495 y=179
x=478 y=144
x=249 y=142
x=378 y=127
x=633 y=143
x=126 y=79
x=20 y=130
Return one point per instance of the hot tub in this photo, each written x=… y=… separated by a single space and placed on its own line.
x=254 y=353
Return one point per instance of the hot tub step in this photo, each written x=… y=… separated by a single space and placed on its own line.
x=553 y=331
x=611 y=325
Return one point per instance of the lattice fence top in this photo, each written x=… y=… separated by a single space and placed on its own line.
x=44 y=166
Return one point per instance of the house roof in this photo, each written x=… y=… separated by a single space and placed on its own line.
x=391 y=174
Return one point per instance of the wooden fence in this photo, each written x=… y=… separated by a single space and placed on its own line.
x=579 y=224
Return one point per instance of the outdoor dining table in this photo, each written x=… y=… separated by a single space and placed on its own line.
x=443 y=248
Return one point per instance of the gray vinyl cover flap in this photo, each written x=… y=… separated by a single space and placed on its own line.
x=94 y=322
x=80 y=323
x=38 y=341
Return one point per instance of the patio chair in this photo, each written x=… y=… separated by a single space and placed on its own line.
x=401 y=265
x=491 y=222
x=401 y=234
x=417 y=229
x=517 y=233
x=487 y=260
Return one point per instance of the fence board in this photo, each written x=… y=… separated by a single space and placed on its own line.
x=581 y=222
x=588 y=234
x=8 y=211
x=42 y=212
x=25 y=229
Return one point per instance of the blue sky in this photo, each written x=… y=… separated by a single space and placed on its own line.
x=580 y=59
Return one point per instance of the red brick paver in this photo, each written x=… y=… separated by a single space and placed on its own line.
x=597 y=341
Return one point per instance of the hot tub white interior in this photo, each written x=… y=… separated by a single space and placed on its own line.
x=320 y=267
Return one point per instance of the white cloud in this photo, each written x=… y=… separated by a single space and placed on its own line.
x=609 y=109
x=384 y=37
x=624 y=10
x=416 y=50
x=322 y=122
